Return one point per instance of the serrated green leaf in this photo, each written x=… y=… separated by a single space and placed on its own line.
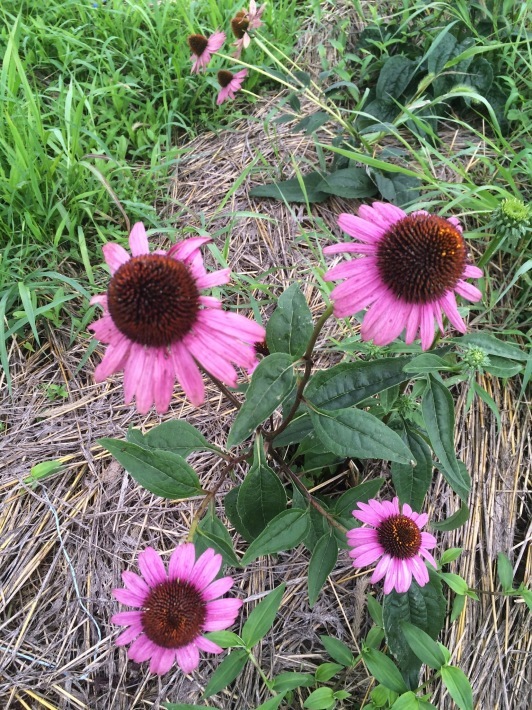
x=358 y=434
x=349 y=183
x=292 y=190
x=505 y=572
x=384 y=670
x=162 y=472
x=438 y=414
x=321 y=564
x=284 y=532
x=458 y=686
x=425 y=648
x=226 y=672
x=290 y=326
x=271 y=383
x=412 y=482
x=338 y=650
x=262 y=617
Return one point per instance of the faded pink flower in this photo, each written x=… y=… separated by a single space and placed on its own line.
x=395 y=537
x=159 y=326
x=203 y=48
x=412 y=267
x=230 y=84
x=174 y=609
x=244 y=21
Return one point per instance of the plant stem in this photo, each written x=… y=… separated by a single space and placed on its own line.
x=209 y=497
x=223 y=389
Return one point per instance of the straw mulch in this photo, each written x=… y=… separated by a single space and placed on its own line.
x=64 y=544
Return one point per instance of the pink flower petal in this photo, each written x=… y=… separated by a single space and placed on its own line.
x=133 y=370
x=215 y=278
x=468 y=291
x=360 y=228
x=206 y=568
x=126 y=618
x=472 y=272
x=114 y=255
x=188 y=374
x=205 y=644
x=152 y=567
x=135 y=583
x=128 y=635
x=141 y=649
x=114 y=359
x=182 y=562
x=187 y=658
x=138 y=240
x=217 y=588
x=448 y=304
x=163 y=660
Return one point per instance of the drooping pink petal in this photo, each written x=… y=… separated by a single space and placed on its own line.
x=114 y=359
x=126 y=618
x=133 y=370
x=187 y=373
x=468 y=291
x=163 y=660
x=448 y=304
x=142 y=649
x=187 y=658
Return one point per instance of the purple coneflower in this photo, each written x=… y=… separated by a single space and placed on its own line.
x=244 y=21
x=412 y=266
x=174 y=609
x=202 y=49
x=158 y=326
x=395 y=537
x=230 y=83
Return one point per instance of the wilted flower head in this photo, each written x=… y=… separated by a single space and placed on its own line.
x=412 y=267
x=202 y=49
x=244 y=21
x=159 y=326
x=230 y=83
x=174 y=609
x=395 y=536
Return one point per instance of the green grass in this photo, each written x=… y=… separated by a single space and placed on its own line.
x=93 y=104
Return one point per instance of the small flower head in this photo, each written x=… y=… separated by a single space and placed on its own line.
x=159 y=326
x=243 y=21
x=512 y=220
x=411 y=268
x=175 y=609
x=230 y=83
x=475 y=359
x=395 y=537
x=203 y=48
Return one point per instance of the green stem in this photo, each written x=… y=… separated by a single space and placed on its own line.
x=267 y=683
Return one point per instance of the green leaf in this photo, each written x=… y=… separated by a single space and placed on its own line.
x=438 y=414
x=272 y=703
x=296 y=431
x=187 y=706
x=505 y=572
x=262 y=617
x=338 y=650
x=527 y=596
x=412 y=482
x=374 y=609
x=261 y=496
x=425 y=648
x=488 y=399
x=162 y=472
x=290 y=680
x=350 y=183
x=423 y=607
x=407 y=701
x=455 y=582
x=311 y=123
x=213 y=533
x=292 y=190
x=322 y=563
x=454 y=521
x=427 y=362
x=480 y=76
x=290 y=326
x=398 y=189
x=501 y=367
x=232 y=512
x=374 y=637
x=226 y=672
x=175 y=435
x=450 y=555
x=271 y=383
x=225 y=639
x=284 y=532
x=458 y=686
x=492 y=346
x=320 y=699
x=347 y=502
x=349 y=383
x=384 y=670
x=394 y=77
x=358 y=434
x=326 y=671
x=458 y=606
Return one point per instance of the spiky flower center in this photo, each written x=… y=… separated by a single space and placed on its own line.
x=421 y=257
x=240 y=24
x=399 y=536
x=224 y=78
x=197 y=44
x=153 y=300
x=174 y=614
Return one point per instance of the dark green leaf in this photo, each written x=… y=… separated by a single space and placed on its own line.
x=292 y=190
x=438 y=415
x=347 y=384
x=337 y=650
x=290 y=680
x=311 y=123
x=423 y=607
x=261 y=496
x=290 y=326
x=427 y=362
x=407 y=701
x=412 y=482
x=135 y=436
x=232 y=512
x=284 y=532
x=382 y=111
x=347 y=502
x=458 y=606
x=213 y=533
x=178 y=436
x=396 y=188
x=262 y=617
x=272 y=703
x=441 y=51
x=226 y=672
x=394 y=77
x=374 y=609
x=320 y=699
x=384 y=670
x=271 y=383
x=296 y=431
x=162 y=472
x=479 y=76
x=501 y=367
x=458 y=686
x=453 y=522
x=425 y=648
x=350 y=183
x=358 y=434
x=492 y=346
x=375 y=637
x=505 y=572
x=322 y=563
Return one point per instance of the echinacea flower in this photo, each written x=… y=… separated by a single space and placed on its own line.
x=159 y=326
x=203 y=48
x=412 y=267
x=244 y=21
x=174 y=609
x=230 y=84
x=395 y=537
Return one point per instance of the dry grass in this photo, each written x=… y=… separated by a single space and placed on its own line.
x=64 y=544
